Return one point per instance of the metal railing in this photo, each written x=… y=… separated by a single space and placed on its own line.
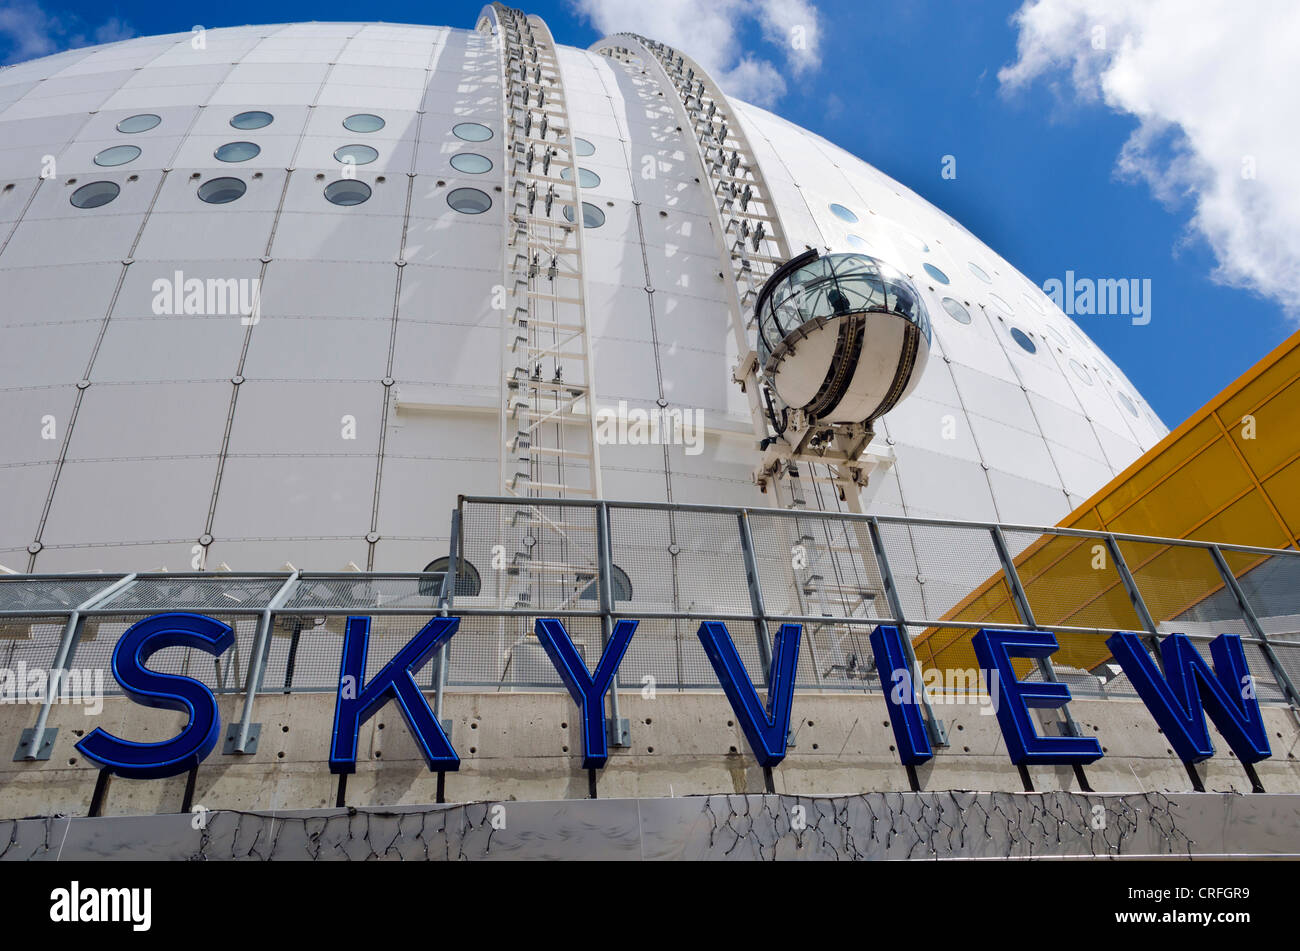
x=671 y=566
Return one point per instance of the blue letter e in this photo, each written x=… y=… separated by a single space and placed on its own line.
x=191 y=746
x=994 y=650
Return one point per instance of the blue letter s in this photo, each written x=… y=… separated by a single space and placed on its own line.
x=191 y=746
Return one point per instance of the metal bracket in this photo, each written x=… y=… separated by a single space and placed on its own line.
x=620 y=732
x=748 y=364
x=25 y=752
x=232 y=736
x=938 y=733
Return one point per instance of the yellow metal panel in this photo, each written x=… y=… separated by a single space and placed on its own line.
x=1084 y=651
x=1070 y=581
x=1171 y=578
x=1273 y=439
x=1284 y=490
x=1147 y=473
x=1247 y=521
x=1213 y=479
x=1203 y=481
x=1277 y=375
x=1087 y=519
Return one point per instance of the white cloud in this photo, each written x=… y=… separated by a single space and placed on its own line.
x=1215 y=87
x=753 y=80
x=28 y=31
x=713 y=35
x=794 y=25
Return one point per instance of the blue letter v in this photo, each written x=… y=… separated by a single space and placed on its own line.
x=768 y=729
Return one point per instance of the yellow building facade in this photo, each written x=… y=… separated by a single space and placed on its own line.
x=1230 y=474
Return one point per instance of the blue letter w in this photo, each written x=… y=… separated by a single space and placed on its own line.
x=1180 y=699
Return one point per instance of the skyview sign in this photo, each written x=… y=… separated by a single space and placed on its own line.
x=1179 y=697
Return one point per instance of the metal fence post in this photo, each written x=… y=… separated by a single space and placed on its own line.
x=32 y=744
x=1135 y=596
x=1252 y=622
x=755 y=594
x=619 y=729
x=446 y=598
x=1153 y=638
x=238 y=740
x=938 y=732
x=1027 y=616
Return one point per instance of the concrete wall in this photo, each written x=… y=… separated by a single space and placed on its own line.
x=918 y=826
x=527 y=746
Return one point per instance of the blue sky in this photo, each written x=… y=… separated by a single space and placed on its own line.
x=902 y=84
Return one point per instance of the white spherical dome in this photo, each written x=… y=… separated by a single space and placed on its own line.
x=249 y=309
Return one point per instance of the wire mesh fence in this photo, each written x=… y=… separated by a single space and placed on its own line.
x=93 y=651
x=671 y=567
x=29 y=643
x=50 y=595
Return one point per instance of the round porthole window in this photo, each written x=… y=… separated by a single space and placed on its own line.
x=472 y=132
x=1081 y=371
x=468 y=582
x=1003 y=305
x=356 y=154
x=363 y=122
x=586 y=177
x=95 y=194
x=1026 y=342
x=246 y=121
x=583 y=147
x=237 y=152
x=140 y=123
x=843 y=213
x=218 y=191
x=1128 y=403
x=469 y=201
x=916 y=242
x=117 y=155
x=619 y=583
x=592 y=217
x=471 y=163
x=1034 y=303
x=860 y=243
x=935 y=273
x=956 y=311
x=980 y=273
x=347 y=191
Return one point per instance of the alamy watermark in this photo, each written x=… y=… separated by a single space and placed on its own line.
x=653 y=427
x=77 y=903
x=209 y=297
x=952 y=685
x=1110 y=296
x=23 y=684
